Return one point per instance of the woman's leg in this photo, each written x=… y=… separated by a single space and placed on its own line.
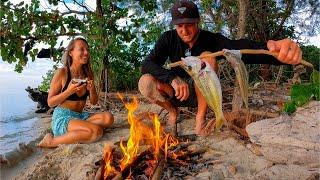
x=79 y=131
x=104 y=119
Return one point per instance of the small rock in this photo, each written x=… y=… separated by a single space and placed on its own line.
x=232 y=169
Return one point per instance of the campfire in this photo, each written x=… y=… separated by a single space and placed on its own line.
x=147 y=152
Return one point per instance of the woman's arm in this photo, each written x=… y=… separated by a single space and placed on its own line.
x=92 y=92
x=55 y=96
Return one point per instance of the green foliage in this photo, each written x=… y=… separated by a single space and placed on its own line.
x=290 y=108
x=109 y=40
x=46 y=80
x=311 y=53
x=120 y=33
x=303 y=93
x=315 y=77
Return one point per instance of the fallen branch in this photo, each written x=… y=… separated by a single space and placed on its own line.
x=261 y=113
x=158 y=171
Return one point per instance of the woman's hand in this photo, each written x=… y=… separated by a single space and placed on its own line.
x=90 y=85
x=74 y=87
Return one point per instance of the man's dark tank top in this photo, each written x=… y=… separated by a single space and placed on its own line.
x=74 y=96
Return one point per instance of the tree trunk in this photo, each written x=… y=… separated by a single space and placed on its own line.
x=243 y=9
x=237 y=101
x=104 y=77
x=265 y=72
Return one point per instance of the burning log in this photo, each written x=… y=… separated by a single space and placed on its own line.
x=145 y=152
x=158 y=171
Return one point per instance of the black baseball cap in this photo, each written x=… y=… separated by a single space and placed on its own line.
x=184 y=11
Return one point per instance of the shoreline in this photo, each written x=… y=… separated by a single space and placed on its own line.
x=23 y=156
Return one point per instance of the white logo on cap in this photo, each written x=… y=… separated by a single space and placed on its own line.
x=182 y=9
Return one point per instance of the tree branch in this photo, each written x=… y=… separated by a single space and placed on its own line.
x=285 y=17
x=66 y=5
x=81 y=5
x=75 y=12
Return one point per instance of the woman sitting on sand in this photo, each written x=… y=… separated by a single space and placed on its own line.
x=69 y=123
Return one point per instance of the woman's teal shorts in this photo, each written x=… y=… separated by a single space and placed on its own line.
x=62 y=116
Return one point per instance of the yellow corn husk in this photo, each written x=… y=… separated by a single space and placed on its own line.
x=208 y=83
x=234 y=58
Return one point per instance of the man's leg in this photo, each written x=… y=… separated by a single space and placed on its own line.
x=154 y=91
x=201 y=113
x=202 y=104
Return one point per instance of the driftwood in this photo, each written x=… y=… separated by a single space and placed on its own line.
x=245 y=114
x=39 y=97
x=135 y=164
x=159 y=169
x=99 y=174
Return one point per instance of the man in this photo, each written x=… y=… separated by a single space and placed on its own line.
x=174 y=88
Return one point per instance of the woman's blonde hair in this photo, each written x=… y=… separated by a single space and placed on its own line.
x=67 y=59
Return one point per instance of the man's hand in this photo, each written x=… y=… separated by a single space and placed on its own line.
x=181 y=88
x=288 y=50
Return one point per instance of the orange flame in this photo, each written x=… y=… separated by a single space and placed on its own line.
x=108 y=169
x=142 y=133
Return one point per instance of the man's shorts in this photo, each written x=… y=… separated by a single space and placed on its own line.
x=61 y=117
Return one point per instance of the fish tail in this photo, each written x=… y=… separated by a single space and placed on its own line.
x=219 y=122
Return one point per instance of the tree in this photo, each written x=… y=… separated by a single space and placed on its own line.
x=110 y=29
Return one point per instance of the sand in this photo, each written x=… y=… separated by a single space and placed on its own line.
x=229 y=155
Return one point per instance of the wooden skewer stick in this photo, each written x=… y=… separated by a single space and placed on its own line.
x=175 y=64
x=242 y=51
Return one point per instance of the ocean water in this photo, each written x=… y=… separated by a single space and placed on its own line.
x=17 y=117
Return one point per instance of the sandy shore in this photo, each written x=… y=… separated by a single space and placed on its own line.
x=226 y=155
x=26 y=159
x=40 y=161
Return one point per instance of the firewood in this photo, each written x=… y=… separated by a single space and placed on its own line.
x=127 y=170
x=176 y=162
x=118 y=177
x=99 y=174
x=261 y=113
x=158 y=171
x=181 y=146
x=241 y=131
x=193 y=153
x=188 y=137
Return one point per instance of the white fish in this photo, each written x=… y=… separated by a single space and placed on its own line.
x=234 y=58
x=208 y=83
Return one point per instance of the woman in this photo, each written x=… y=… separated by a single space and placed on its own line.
x=69 y=123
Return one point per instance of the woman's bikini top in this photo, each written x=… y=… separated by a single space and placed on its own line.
x=74 y=96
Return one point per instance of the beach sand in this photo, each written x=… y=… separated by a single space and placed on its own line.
x=73 y=161
x=230 y=155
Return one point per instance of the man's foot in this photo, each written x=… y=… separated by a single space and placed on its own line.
x=46 y=142
x=200 y=125
x=171 y=125
x=173 y=116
